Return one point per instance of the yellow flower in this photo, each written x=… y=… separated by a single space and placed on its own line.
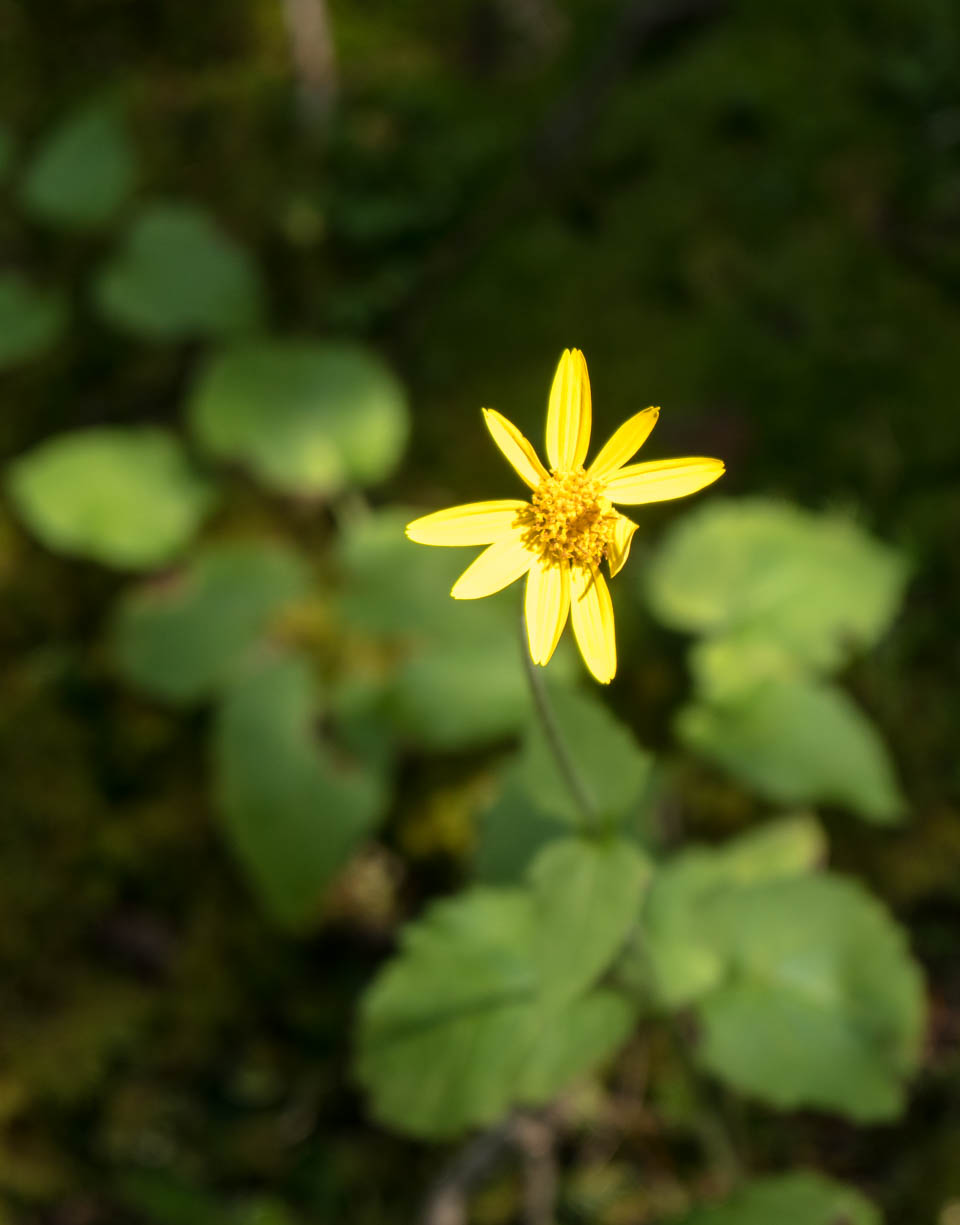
x=559 y=538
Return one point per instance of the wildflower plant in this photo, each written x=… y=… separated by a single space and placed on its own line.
x=582 y=925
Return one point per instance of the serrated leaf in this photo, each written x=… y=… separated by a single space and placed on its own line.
x=292 y=808
x=805 y=990
x=802 y=1198
x=683 y=960
x=179 y=275
x=815 y=586
x=613 y=768
x=798 y=742
x=469 y=1019
x=83 y=171
x=123 y=497
x=185 y=637
x=32 y=320
x=821 y=1004
x=588 y=895
x=306 y=418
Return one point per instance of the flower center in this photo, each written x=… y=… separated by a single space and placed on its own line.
x=568 y=520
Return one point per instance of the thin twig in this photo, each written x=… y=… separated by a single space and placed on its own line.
x=312 y=51
x=446 y=1201
x=548 y=721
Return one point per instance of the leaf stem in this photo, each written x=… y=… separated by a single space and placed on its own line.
x=551 y=730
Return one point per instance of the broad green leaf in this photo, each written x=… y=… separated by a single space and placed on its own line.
x=817 y=586
x=805 y=991
x=510 y=833
x=84 y=170
x=307 y=418
x=123 y=497
x=451 y=697
x=682 y=960
x=179 y=275
x=802 y=1198
x=588 y=895
x=292 y=808
x=393 y=588
x=798 y=742
x=183 y=637
x=32 y=320
x=614 y=769
x=456 y=1029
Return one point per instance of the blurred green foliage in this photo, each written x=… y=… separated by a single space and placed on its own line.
x=238 y=788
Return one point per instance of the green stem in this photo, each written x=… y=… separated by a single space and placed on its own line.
x=548 y=721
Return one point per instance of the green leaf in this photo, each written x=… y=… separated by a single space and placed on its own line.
x=798 y=742
x=292 y=808
x=821 y=1004
x=306 y=418
x=399 y=590
x=179 y=275
x=186 y=636
x=395 y=588
x=816 y=586
x=614 y=769
x=84 y=170
x=455 y=1029
x=32 y=320
x=123 y=497
x=588 y=895
x=683 y=961
x=452 y=697
x=805 y=990
x=802 y=1198
x=511 y=832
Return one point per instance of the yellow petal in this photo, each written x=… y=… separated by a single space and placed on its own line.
x=569 y=412
x=619 y=548
x=662 y=479
x=515 y=447
x=624 y=443
x=592 y=614
x=546 y=605
x=474 y=523
x=497 y=566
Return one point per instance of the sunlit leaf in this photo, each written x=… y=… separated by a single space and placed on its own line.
x=184 y=637
x=83 y=171
x=798 y=742
x=684 y=965
x=123 y=497
x=306 y=418
x=179 y=275
x=804 y=988
x=588 y=895
x=32 y=320
x=802 y=1198
x=816 y=586
x=293 y=806
x=456 y=1028
x=614 y=769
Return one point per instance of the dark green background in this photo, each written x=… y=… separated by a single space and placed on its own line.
x=750 y=216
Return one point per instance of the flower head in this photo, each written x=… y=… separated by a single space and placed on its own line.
x=570 y=525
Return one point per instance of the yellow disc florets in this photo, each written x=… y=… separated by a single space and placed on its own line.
x=568 y=520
